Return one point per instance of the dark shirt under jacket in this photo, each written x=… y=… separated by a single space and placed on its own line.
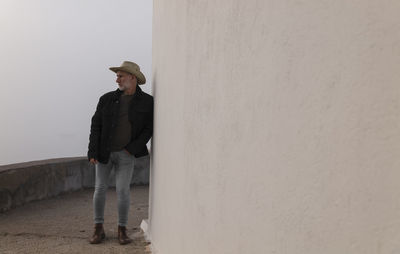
x=122 y=132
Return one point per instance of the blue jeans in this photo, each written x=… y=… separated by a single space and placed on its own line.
x=123 y=164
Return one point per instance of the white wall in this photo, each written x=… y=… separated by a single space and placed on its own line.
x=276 y=127
x=54 y=59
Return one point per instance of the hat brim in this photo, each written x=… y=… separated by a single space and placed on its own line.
x=139 y=75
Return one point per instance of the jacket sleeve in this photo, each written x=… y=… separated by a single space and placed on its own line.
x=136 y=145
x=95 y=132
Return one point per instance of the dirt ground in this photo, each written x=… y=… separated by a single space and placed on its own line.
x=65 y=223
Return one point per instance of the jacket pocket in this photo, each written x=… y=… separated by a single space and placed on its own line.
x=141 y=109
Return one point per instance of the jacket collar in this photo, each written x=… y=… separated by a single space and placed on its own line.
x=138 y=93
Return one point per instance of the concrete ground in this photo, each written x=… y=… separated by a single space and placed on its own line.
x=64 y=224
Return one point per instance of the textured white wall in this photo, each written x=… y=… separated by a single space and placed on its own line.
x=277 y=127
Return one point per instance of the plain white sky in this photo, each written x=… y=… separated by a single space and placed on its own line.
x=54 y=60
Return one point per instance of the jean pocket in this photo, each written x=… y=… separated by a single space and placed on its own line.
x=125 y=152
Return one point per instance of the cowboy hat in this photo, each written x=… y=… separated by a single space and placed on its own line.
x=132 y=68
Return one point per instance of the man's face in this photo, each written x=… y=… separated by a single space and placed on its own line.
x=125 y=80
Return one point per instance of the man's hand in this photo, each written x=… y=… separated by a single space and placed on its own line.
x=93 y=161
x=127 y=152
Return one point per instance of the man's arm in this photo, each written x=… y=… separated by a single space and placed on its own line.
x=95 y=133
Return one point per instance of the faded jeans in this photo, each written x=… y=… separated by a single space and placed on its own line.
x=123 y=164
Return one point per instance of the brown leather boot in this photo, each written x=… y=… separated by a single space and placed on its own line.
x=122 y=237
x=98 y=235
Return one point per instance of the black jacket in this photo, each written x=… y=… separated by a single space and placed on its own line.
x=105 y=119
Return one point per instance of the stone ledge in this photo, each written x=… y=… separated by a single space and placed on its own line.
x=25 y=182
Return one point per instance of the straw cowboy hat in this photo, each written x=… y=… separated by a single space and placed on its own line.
x=132 y=68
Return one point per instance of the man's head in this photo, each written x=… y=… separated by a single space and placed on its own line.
x=126 y=81
x=130 y=68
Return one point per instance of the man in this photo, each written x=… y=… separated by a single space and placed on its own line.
x=120 y=129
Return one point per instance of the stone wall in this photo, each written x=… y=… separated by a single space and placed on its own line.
x=24 y=182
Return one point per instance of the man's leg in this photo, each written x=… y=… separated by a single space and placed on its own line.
x=99 y=197
x=99 y=200
x=123 y=175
